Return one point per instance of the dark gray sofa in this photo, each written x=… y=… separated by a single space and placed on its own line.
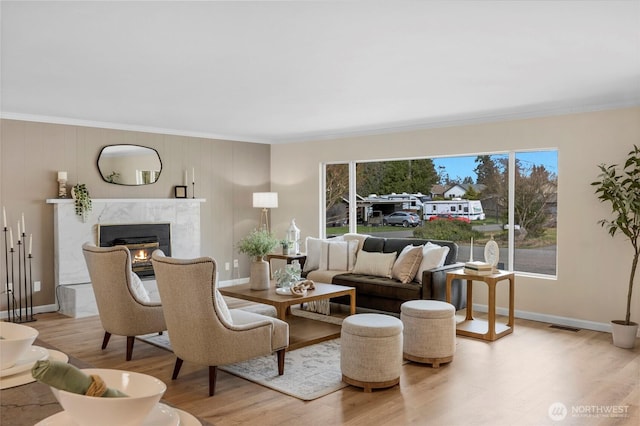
x=387 y=294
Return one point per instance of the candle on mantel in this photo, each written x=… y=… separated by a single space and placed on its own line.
x=30 y=243
x=193 y=175
x=24 y=228
x=11 y=237
x=4 y=217
x=18 y=232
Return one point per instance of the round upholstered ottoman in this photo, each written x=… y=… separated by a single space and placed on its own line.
x=429 y=331
x=371 y=351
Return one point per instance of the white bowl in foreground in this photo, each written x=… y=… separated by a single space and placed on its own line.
x=15 y=339
x=143 y=392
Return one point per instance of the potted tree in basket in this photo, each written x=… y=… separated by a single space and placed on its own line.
x=257 y=244
x=621 y=188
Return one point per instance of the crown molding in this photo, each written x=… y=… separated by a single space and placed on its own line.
x=439 y=122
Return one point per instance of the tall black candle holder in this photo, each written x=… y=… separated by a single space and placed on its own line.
x=193 y=190
x=19 y=309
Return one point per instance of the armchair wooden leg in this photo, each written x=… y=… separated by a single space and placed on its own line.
x=130 y=340
x=106 y=338
x=280 y=354
x=213 y=372
x=176 y=368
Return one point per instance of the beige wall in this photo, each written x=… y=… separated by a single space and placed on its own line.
x=31 y=154
x=592 y=267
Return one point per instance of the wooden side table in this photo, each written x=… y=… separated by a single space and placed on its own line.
x=301 y=257
x=481 y=329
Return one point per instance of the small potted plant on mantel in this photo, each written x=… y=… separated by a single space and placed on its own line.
x=258 y=244
x=621 y=188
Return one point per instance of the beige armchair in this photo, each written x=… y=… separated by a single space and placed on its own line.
x=121 y=310
x=201 y=328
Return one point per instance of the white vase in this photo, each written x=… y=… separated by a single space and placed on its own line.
x=259 y=279
x=624 y=336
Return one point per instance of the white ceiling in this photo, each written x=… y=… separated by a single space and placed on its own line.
x=300 y=70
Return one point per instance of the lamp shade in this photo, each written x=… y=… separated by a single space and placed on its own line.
x=265 y=200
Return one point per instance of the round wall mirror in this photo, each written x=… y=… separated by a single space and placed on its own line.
x=129 y=164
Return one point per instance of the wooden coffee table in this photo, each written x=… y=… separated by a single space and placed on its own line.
x=302 y=331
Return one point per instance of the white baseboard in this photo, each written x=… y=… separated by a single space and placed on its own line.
x=551 y=319
x=229 y=283
x=36 y=310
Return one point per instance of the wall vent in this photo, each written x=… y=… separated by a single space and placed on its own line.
x=564 y=327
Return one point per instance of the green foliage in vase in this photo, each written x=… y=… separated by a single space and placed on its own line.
x=258 y=243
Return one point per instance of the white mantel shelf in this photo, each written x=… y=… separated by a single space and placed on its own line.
x=128 y=200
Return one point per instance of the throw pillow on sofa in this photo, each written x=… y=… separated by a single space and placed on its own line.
x=374 y=263
x=312 y=248
x=433 y=256
x=338 y=255
x=406 y=266
x=354 y=236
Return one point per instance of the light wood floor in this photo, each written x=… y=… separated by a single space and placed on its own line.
x=512 y=381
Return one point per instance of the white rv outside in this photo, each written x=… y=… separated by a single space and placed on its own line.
x=457 y=207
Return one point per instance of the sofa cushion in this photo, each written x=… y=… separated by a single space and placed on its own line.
x=338 y=255
x=358 y=237
x=323 y=276
x=376 y=264
x=372 y=286
x=388 y=245
x=433 y=256
x=407 y=264
x=313 y=247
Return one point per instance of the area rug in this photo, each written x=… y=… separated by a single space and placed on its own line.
x=309 y=372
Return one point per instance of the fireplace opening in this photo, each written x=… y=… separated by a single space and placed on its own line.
x=141 y=240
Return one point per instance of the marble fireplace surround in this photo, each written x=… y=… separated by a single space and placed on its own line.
x=73 y=285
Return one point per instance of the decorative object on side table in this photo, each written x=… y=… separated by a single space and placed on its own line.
x=293 y=235
x=492 y=253
x=285 y=247
x=477 y=267
x=621 y=188
x=82 y=200
x=257 y=244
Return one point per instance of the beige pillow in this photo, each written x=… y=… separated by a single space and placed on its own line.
x=223 y=309
x=313 y=251
x=138 y=289
x=374 y=263
x=433 y=256
x=405 y=267
x=338 y=255
x=359 y=237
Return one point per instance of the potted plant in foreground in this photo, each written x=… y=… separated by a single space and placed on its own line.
x=257 y=244
x=621 y=188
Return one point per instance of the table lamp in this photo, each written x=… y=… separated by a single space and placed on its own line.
x=265 y=201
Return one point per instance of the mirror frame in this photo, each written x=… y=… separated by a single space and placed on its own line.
x=105 y=178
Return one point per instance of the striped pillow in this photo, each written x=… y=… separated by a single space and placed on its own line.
x=338 y=255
